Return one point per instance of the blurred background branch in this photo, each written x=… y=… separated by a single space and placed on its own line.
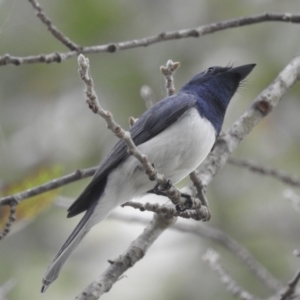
x=212 y=258
x=266 y=170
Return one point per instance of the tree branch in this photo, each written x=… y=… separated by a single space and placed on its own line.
x=168 y=72
x=241 y=253
x=291 y=287
x=147 y=41
x=48 y=186
x=13 y=200
x=265 y=170
x=129 y=258
x=55 y=32
x=232 y=287
x=201 y=214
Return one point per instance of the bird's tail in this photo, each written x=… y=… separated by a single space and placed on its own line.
x=66 y=250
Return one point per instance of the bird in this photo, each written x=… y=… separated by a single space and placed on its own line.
x=176 y=134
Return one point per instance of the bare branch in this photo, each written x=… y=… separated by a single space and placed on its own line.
x=200 y=188
x=168 y=72
x=55 y=32
x=201 y=214
x=162 y=37
x=241 y=253
x=266 y=101
x=32 y=59
x=129 y=258
x=265 y=170
x=232 y=287
x=13 y=200
x=291 y=287
x=48 y=186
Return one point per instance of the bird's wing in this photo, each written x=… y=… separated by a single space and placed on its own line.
x=150 y=124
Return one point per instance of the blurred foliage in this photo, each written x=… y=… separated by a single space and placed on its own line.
x=29 y=209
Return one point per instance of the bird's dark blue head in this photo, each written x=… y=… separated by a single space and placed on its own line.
x=214 y=88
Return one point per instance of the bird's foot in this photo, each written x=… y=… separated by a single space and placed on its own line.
x=188 y=204
x=159 y=189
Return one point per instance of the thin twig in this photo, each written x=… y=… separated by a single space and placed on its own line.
x=128 y=259
x=55 y=32
x=168 y=72
x=48 y=186
x=13 y=200
x=291 y=287
x=161 y=37
x=265 y=170
x=201 y=214
x=232 y=287
x=92 y=100
x=239 y=252
x=201 y=189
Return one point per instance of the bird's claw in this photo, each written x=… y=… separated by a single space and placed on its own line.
x=188 y=203
x=159 y=189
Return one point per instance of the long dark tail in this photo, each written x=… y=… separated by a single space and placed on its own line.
x=66 y=250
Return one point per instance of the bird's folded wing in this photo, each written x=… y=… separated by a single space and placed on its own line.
x=150 y=124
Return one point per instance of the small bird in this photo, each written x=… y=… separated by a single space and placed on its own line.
x=176 y=134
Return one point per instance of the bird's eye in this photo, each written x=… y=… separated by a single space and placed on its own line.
x=210 y=70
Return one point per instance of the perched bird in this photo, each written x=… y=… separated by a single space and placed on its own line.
x=176 y=134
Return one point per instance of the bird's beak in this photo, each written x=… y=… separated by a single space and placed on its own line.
x=243 y=71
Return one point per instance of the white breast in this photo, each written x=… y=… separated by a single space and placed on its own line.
x=182 y=147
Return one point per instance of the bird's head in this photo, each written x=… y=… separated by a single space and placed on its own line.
x=214 y=88
x=223 y=80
